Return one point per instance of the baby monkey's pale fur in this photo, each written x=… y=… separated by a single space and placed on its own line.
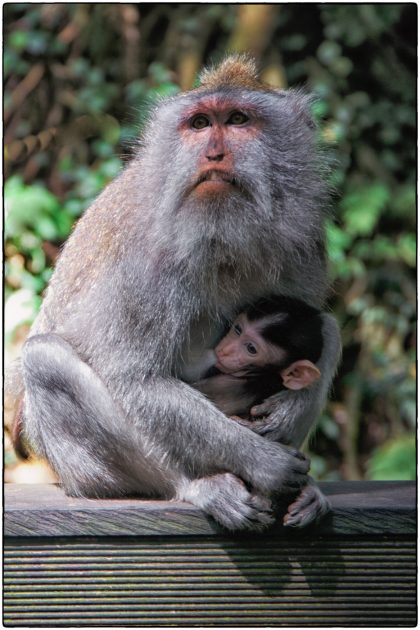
x=223 y=204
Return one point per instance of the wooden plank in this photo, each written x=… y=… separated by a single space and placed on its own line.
x=44 y=510
x=210 y=581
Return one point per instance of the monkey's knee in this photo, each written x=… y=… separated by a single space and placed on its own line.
x=44 y=358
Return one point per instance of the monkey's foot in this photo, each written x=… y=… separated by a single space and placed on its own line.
x=308 y=507
x=226 y=498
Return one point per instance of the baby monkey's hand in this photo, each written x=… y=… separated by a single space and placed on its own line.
x=254 y=425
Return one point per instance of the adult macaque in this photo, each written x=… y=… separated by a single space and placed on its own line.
x=169 y=251
x=271 y=345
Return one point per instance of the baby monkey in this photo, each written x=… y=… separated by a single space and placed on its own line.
x=273 y=344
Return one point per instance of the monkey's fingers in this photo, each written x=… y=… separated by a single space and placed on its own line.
x=295 y=474
x=310 y=506
x=266 y=407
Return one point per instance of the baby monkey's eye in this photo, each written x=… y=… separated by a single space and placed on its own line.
x=251 y=348
x=200 y=121
x=237 y=118
x=237 y=329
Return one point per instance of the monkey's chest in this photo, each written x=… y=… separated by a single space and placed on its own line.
x=197 y=354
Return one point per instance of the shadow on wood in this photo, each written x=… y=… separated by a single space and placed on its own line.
x=132 y=562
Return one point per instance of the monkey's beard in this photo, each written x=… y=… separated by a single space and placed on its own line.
x=233 y=224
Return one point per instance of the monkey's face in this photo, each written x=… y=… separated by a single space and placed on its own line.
x=233 y=169
x=218 y=158
x=219 y=132
x=244 y=347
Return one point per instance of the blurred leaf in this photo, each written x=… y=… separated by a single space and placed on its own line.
x=30 y=206
x=396 y=459
x=18 y=40
x=20 y=308
x=337 y=242
x=362 y=208
x=328 y=52
x=407 y=248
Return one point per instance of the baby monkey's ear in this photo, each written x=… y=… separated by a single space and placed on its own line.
x=300 y=374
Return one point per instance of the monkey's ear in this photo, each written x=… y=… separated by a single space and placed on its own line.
x=300 y=374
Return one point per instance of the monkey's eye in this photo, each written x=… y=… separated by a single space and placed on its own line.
x=200 y=121
x=237 y=118
x=251 y=348
x=237 y=329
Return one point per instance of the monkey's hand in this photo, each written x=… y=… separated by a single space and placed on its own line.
x=267 y=406
x=309 y=506
x=257 y=425
x=267 y=423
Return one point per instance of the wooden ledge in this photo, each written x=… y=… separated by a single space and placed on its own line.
x=43 y=510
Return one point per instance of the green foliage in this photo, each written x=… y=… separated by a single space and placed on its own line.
x=33 y=211
x=396 y=459
x=69 y=62
x=32 y=216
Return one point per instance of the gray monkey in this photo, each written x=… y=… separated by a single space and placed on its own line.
x=222 y=205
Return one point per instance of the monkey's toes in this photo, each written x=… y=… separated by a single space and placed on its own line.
x=249 y=513
x=309 y=507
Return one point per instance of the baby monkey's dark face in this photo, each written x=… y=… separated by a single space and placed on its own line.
x=245 y=347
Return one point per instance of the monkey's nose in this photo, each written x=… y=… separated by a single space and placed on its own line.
x=218 y=157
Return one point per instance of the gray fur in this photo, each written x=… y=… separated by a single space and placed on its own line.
x=143 y=286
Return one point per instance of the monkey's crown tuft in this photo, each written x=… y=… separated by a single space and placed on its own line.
x=234 y=71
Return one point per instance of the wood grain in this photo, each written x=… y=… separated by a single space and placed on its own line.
x=210 y=581
x=44 y=510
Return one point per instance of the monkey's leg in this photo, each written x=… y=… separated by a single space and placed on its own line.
x=72 y=421
x=226 y=498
